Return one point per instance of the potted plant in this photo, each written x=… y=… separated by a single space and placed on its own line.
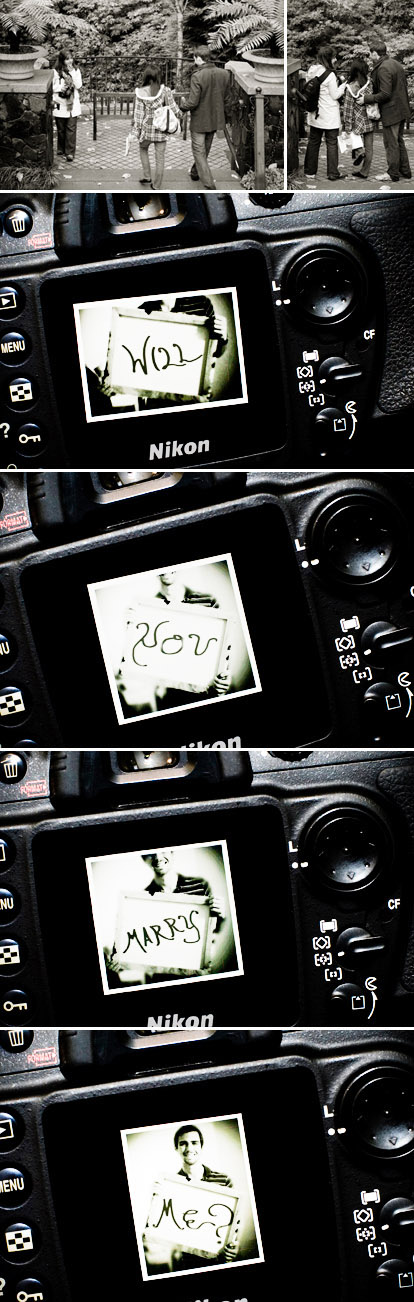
x=22 y=26
x=26 y=24
x=256 y=29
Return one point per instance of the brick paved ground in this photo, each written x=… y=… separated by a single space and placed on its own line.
x=102 y=163
x=349 y=182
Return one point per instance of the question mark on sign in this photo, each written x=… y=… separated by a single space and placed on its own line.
x=5 y=428
x=2 y=1286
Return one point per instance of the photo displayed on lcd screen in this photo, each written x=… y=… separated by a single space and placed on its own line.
x=192 y=1196
x=141 y=356
x=174 y=639
x=164 y=915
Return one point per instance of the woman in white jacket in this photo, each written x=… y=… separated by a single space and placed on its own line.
x=326 y=119
x=67 y=81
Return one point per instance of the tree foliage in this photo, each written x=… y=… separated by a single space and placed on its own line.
x=246 y=24
x=38 y=20
x=348 y=25
x=114 y=31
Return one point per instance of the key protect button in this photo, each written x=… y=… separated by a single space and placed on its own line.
x=30 y=1290
x=16 y=1005
x=14 y=348
x=31 y=440
x=12 y=301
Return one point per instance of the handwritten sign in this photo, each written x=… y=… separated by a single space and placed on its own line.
x=163 y=352
x=164 y=931
x=179 y=646
x=199 y=1218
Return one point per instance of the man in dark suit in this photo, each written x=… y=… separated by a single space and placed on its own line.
x=209 y=103
x=389 y=83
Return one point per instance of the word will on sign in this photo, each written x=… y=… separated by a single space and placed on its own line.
x=162 y=353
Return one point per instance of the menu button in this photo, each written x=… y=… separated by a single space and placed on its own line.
x=14 y=348
x=15 y=1187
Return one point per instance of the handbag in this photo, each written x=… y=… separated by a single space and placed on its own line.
x=166 y=120
x=373 y=112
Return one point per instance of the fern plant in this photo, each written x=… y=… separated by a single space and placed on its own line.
x=35 y=20
x=247 y=24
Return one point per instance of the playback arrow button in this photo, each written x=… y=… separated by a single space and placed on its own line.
x=12 y=302
x=11 y=1130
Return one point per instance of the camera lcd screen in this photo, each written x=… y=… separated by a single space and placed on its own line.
x=143 y=355
x=208 y=1191
x=186 y=339
x=164 y=916
x=184 y=912
x=190 y=634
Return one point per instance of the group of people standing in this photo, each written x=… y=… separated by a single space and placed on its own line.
x=373 y=90
x=158 y=114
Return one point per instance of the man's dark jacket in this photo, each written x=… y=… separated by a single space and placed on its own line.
x=389 y=83
x=210 y=98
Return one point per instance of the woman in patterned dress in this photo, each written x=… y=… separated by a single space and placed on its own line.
x=150 y=97
x=356 y=117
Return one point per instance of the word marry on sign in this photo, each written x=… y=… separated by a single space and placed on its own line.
x=161 y=352
x=198 y=1217
x=179 y=647
x=163 y=931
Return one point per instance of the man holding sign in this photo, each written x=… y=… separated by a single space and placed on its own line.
x=189 y=1143
x=166 y=880
x=171 y=592
x=174 y=638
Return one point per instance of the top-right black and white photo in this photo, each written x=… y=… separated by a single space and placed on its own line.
x=350 y=82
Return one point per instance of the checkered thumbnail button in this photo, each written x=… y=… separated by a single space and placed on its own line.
x=20 y=392
x=11 y=701
x=12 y=954
x=14 y=705
x=20 y=1240
x=9 y=953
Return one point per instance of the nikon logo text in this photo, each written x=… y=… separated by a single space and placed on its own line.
x=174 y=1023
x=237 y=1299
x=165 y=451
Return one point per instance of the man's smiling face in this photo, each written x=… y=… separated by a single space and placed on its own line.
x=189 y=1146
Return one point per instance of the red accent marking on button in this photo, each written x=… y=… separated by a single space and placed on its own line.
x=15 y=520
x=35 y=787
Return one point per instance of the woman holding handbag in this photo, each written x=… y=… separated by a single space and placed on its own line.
x=358 y=122
x=156 y=117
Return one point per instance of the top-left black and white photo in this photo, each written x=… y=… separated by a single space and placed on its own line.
x=183 y=94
